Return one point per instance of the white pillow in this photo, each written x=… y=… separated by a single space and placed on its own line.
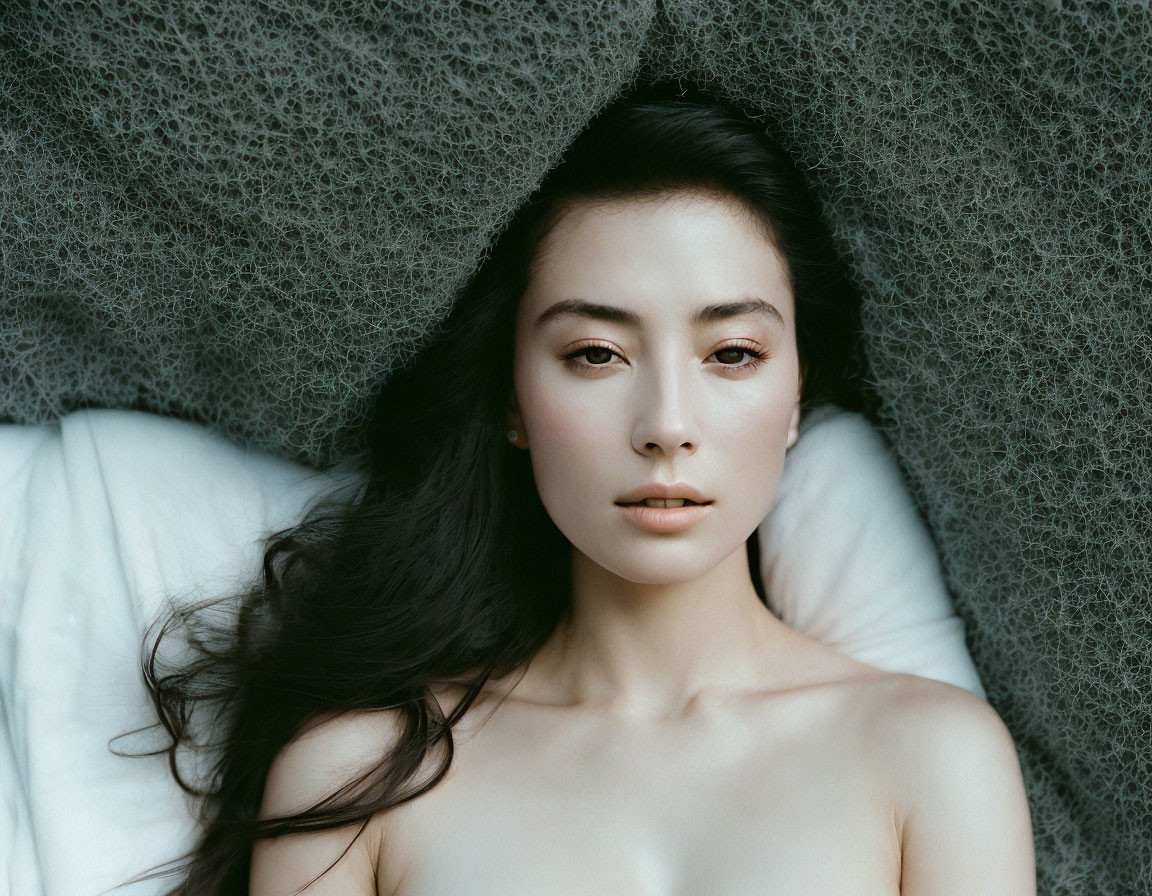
x=106 y=512
x=847 y=559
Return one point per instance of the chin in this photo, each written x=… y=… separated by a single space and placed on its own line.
x=660 y=564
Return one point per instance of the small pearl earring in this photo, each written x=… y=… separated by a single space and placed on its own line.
x=513 y=435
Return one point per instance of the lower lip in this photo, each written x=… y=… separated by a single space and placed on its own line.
x=664 y=519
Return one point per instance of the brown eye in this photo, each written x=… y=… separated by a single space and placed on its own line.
x=755 y=357
x=737 y=352
x=590 y=356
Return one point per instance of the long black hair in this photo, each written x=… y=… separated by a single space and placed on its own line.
x=444 y=566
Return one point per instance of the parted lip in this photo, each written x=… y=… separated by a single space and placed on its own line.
x=661 y=490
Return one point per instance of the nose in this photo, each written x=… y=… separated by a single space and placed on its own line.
x=665 y=421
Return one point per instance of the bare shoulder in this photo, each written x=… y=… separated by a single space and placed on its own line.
x=903 y=699
x=958 y=790
x=924 y=726
x=329 y=753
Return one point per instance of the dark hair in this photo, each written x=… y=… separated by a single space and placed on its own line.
x=445 y=566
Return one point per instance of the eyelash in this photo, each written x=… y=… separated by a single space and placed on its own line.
x=757 y=357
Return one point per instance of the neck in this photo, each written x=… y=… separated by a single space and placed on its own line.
x=657 y=649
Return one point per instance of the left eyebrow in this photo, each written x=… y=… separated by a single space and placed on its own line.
x=708 y=314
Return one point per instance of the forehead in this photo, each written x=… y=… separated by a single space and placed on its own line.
x=691 y=215
x=660 y=256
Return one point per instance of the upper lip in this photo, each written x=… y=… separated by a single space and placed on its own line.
x=660 y=490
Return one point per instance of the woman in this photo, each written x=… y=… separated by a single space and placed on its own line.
x=494 y=671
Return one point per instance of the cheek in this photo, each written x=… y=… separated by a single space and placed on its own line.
x=753 y=444
x=550 y=410
x=754 y=411
x=766 y=416
x=766 y=435
x=569 y=428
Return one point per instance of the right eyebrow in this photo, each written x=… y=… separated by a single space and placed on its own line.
x=705 y=315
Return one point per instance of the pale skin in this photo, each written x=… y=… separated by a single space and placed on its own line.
x=677 y=738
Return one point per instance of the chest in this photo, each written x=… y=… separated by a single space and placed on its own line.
x=672 y=812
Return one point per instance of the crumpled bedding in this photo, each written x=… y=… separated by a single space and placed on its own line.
x=106 y=512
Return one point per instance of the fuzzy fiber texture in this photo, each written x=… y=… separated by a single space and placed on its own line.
x=248 y=213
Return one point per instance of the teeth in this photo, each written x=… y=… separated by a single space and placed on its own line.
x=664 y=502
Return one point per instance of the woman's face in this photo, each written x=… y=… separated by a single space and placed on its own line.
x=609 y=400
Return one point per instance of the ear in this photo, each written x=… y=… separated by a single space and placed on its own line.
x=794 y=424
x=516 y=422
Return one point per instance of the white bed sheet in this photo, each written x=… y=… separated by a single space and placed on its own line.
x=105 y=512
